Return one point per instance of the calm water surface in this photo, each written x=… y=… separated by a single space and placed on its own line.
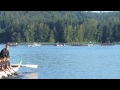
x=68 y=62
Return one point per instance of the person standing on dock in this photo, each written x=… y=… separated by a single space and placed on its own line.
x=4 y=54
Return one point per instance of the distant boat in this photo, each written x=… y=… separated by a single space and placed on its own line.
x=13 y=44
x=90 y=44
x=33 y=44
x=60 y=44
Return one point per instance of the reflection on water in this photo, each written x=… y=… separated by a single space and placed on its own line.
x=31 y=76
x=25 y=75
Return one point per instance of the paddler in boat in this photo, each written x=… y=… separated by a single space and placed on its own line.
x=0 y=67
x=2 y=70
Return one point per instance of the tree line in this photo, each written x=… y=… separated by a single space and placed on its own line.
x=62 y=26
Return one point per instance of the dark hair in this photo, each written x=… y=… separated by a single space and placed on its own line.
x=7 y=44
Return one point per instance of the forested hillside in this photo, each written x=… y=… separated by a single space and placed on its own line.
x=62 y=26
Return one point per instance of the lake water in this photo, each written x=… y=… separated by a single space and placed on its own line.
x=68 y=62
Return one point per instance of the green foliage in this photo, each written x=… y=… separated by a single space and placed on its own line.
x=62 y=26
